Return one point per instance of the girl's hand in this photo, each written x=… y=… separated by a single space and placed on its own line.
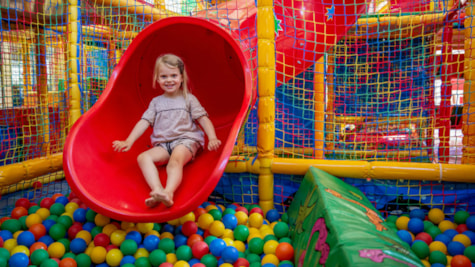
x=121 y=146
x=213 y=144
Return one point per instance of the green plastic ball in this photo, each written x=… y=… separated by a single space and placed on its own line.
x=256 y=245
x=11 y=225
x=33 y=209
x=229 y=211
x=142 y=262
x=90 y=215
x=251 y=257
x=281 y=229
x=4 y=254
x=270 y=237
x=3 y=262
x=69 y=255
x=421 y=249
x=128 y=265
x=434 y=231
x=52 y=217
x=57 y=209
x=209 y=260
x=83 y=260
x=167 y=245
x=128 y=247
x=391 y=218
x=285 y=217
x=437 y=257
x=95 y=231
x=255 y=264
x=157 y=227
x=57 y=231
x=461 y=216
x=285 y=240
x=38 y=256
x=184 y=253
x=157 y=257
x=217 y=215
x=427 y=225
x=469 y=252
x=286 y=262
x=22 y=221
x=209 y=238
x=49 y=263
x=65 y=220
x=65 y=242
x=241 y=232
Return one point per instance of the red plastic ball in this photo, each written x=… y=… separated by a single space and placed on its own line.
x=199 y=249
x=198 y=212
x=257 y=210
x=165 y=264
x=241 y=262
x=23 y=202
x=46 y=202
x=68 y=262
x=423 y=236
x=192 y=239
x=19 y=212
x=111 y=246
x=102 y=240
x=189 y=228
x=38 y=230
x=73 y=230
x=1 y=242
x=55 y=196
x=284 y=252
x=243 y=209
x=461 y=228
x=37 y=185
x=460 y=261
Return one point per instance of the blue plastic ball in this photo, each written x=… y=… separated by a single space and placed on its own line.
x=470 y=235
x=48 y=223
x=200 y=232
x=451 y=233
x=78 y=245
x=272 y=215
x=217 y=246
x=455 y=248
x=79 y=215
x=417 y=213
x=178 y=230
x=19 y=260
x=48 y=240
x=180 y=240
x=134 y=235
x=415 y=225
x=88 y=226
x=5 y=235
x=62 y=199
x=470 y=222
x=231 y=206
x=405 y=236
x=104 y=264
x=437 y=265
x=193 y=261
x=26 y=238
x=205 y=204
x=150 y=242
x=443 y=238
x=230 y=221
x=230 y=254
x=168 y=228
x=127 y=259
x=269 y=265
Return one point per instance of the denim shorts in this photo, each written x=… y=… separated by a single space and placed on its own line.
x=191 y=144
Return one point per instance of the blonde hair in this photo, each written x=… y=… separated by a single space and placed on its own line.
x=172 y=61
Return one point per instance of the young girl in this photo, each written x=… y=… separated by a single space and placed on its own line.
x=176 y=137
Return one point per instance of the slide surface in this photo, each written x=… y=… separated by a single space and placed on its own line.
x=111 y=183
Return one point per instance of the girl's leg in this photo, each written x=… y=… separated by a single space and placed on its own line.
x=146 y=161
x=181 y=155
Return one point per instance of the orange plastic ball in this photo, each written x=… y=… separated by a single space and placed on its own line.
x=38 y=230
x=19 y=212
x=38 y=245
x=284 y=252
x=460 y=261
x=192 y=239
x=68 y=262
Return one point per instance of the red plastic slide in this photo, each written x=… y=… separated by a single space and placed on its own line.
x=223 y=76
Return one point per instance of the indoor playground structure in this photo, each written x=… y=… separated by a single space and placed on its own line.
x=347 y=129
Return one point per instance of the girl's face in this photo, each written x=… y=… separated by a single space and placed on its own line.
x=170 y=79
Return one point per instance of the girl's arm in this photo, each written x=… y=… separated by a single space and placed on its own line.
x=137 y=131
x=208 y=127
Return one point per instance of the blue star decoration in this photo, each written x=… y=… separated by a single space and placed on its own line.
x=277 y=25
x=330 y=12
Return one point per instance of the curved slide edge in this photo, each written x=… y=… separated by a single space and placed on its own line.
x=111 y=183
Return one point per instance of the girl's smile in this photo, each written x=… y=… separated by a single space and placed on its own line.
x=170 y=79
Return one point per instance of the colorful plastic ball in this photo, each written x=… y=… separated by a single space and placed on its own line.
x=284 y=252
x=217 y=215
x=281 y=229
x=216 y=228
x=230 y=221
x=241 y=217
x=417 y=213
x=241 y=262
x=183 y=253
x=151 y=242
x=433 y=231
x=455 y=248
x=46 y=202
x=78 y=245
x=241 y=232
x=427 y=225
x=102 y=240
x=470 y=235
x=461 y=216
x=46 y=239
x=436 y=215
x=56 y=250
x=167 y=245
x=446 y=225
x=470 y=222
x=38 y=245
x=405 y=236
x=20 y=249
x=451 y=233
x=67 y=262
x=438 y=246
x=199 y=249
x=205 y=221
x=402 y=222
x=272 y=215
x=443 y=238
x=270 y=260
x=256 y=220
x=18 y=212
x=189 y=228
x=230 y=254
x=79 y=215
x=460 y=261
x=129 y=259
x=465 y=240
x=461 y=228
x=57 y=231
x=470 y=253
x=256 y=245
x=216 y=247
x=421 y=249
x=157 y=257
x=193 y=239
x=180 y=240
x=11 y=225
x=129 y=247
x=209 y=260
x=38 y=230
x=415 y=225
x=134 y=235
x=424 y=237
x=18 y=260
x=38 y=256
x=437 y=257
x=26 y=238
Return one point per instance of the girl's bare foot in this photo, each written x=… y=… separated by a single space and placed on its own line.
x=151 y=202
x=162 y=196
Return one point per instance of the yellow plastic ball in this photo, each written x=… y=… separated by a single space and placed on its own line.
x=17 y=233
x=98 y=255
x=141 y=252
x=43 y=212
x=401 y=223
x=101 y=220
x=182 y=264
x=436 y=215
x=10 y=244
x=171 y=258
x=211 y=207
x=426 y=263
x=188 y=217
x=56 y=250
x=270 y=258
x=241 y=217
x=71 y=207
x=126 y=225
x=449 y=260
x=224 y=265
x=270 y=246
x=446 y=225
x=217 y=228
x=20 y=249
x=153 y=232
x=33 y=219
x=438 y=245
x=174 y=222
x=117 y=237
x=256 y=220
x=84 y=235
x=465 y=240
x=113 y=257
x=144 y=227
x=167 y=235
x=205 y=221
x=239 y=245
x=228 y=233
x=251 y=236
x=89 y=250
x=109 y=229
x=229 y=242
x=267 y=232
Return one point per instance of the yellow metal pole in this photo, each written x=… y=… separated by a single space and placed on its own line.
x=468 y=118
x=319 y=99
x=74 y=55
x=266 y=106
x=42 y=93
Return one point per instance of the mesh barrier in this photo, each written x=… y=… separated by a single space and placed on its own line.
x=397 y=87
